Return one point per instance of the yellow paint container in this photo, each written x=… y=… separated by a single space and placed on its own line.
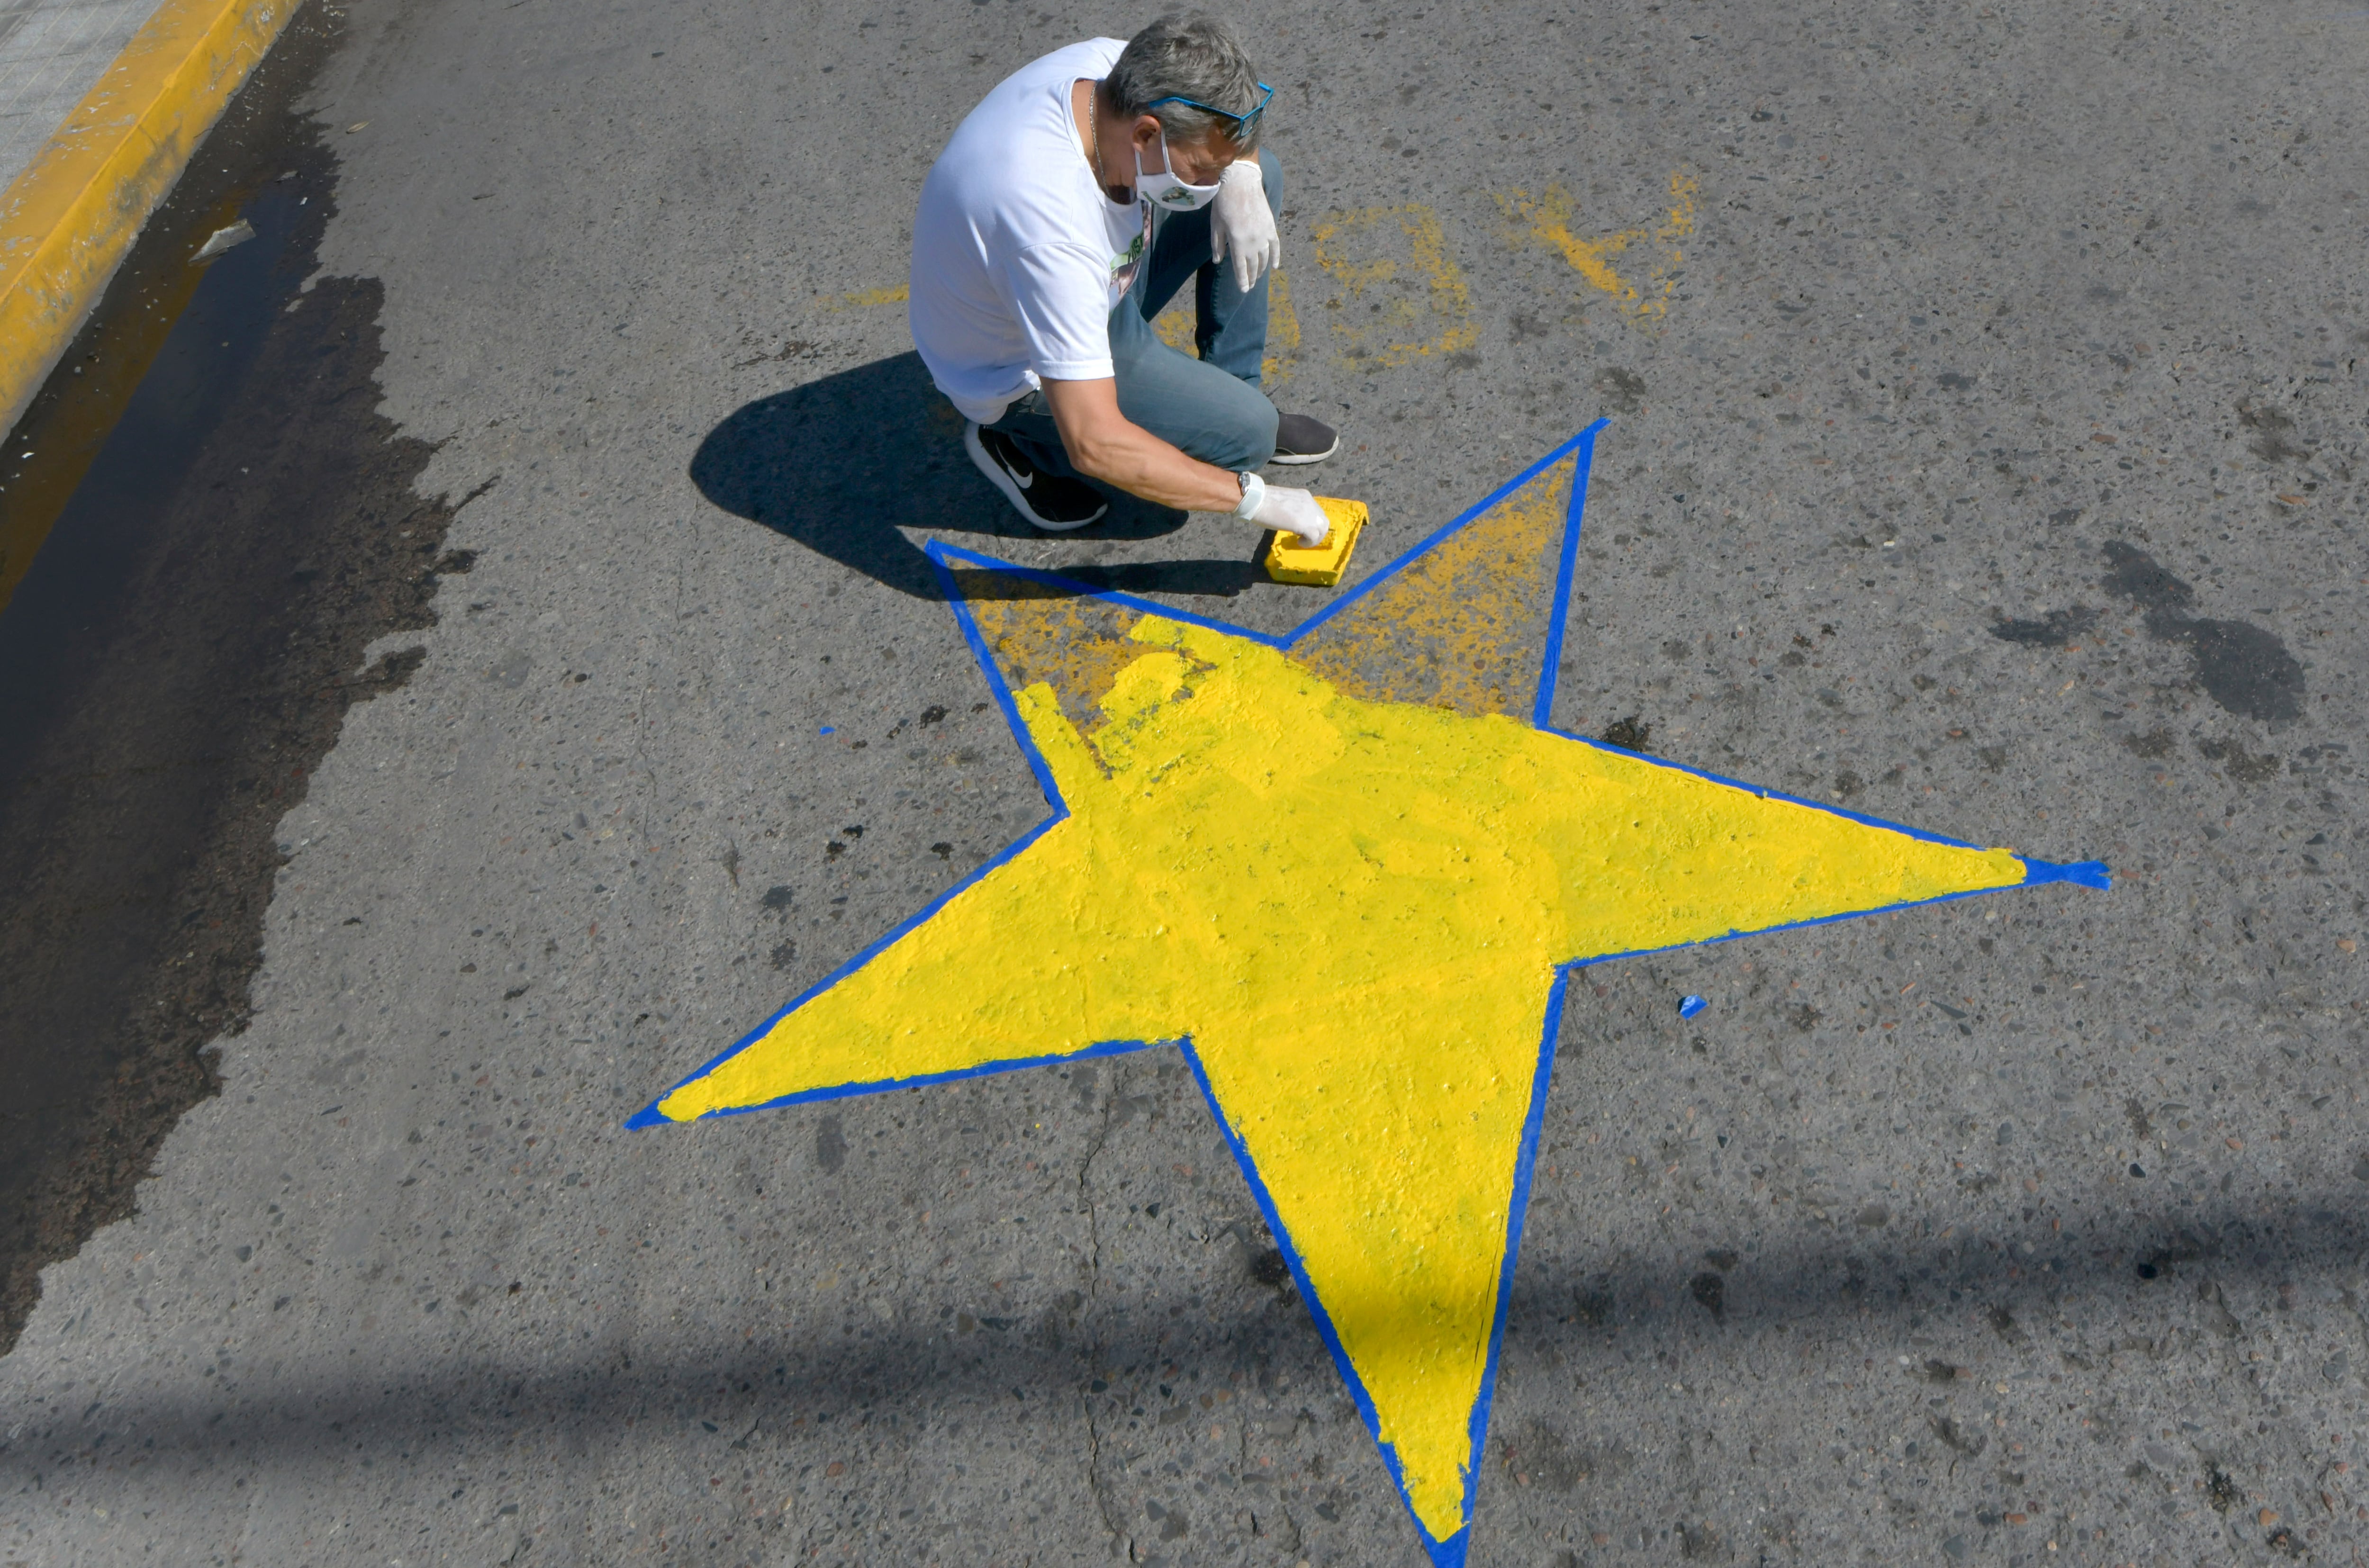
x=1319 y=566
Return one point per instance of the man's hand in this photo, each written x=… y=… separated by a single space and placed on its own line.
x=1294 y=513
x=1242 y=223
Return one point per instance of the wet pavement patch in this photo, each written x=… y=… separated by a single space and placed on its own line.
x=830 y=1146
x=2242 y=666
x=2270 y=442
x=1630 y=734
x=186 y=633
x=1970 y=1445
x=2057 y=628
x=2243 y=768
x=2245 y=668
x=1623 y=390
x=2136 y=577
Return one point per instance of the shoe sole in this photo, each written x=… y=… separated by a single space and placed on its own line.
x=1293 y=460
x=1010 y=487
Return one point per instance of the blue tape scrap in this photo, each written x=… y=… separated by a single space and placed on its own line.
x=1691 y=1005
x=2081 y=872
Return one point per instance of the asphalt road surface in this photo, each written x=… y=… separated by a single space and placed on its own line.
x=1987 y=409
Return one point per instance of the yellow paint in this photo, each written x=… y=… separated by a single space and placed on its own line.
x=1548 y=221
x=67 y=219
x=1322 y=564
x=1356 y=909
x=866 y=297
x=1392 y=325
x=1175 y=326
x=1282 y=332
x=1463 y=626
x=1073 y=643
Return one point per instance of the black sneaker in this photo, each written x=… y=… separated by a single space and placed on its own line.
x=1053 y=503
x=1298 y=439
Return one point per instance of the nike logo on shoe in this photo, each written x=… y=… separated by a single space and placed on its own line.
x=1057 y=506
x=1008 y=458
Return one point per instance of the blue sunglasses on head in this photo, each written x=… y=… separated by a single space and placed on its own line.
x=1243 y=123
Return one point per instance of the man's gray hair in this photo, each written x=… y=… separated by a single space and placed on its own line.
x=1196 y=57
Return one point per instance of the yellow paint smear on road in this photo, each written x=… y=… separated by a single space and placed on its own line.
x=1548 y=221
x=1356 y=909
x=1462 y=626
x=864 y=298
x=1174 y=325
x=1282 y=332
x=66 y=222
x=1430 y=310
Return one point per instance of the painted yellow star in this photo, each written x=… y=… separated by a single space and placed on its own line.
x=1337 y=870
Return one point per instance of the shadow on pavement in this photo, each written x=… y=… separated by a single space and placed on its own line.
x=1597 y=1322
x=844 y=465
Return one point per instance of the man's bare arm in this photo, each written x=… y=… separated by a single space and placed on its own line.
x=1106 y=444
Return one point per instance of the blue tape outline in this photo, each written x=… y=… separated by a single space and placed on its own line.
x=1451 y=1551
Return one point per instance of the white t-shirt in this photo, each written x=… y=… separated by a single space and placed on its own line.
x=1018 y=257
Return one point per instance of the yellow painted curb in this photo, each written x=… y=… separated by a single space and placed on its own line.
x=67 y=220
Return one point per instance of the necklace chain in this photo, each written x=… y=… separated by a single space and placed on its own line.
x=1094 y=130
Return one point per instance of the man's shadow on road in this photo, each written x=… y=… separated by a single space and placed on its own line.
x=844 y=465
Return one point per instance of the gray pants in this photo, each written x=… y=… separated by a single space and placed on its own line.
x=1210 y=407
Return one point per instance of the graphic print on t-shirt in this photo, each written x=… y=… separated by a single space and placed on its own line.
x=1122 y=266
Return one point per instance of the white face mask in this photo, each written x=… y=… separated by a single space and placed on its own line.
x=1171 y=193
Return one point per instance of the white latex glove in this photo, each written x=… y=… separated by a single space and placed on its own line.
x=1293 y=511
x=1242 y=224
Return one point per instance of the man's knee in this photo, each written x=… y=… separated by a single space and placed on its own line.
x=1243 y=434
x=1271 y=177
x=1204 y=413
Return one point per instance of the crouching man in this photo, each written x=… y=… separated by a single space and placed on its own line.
x=1070 y=206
